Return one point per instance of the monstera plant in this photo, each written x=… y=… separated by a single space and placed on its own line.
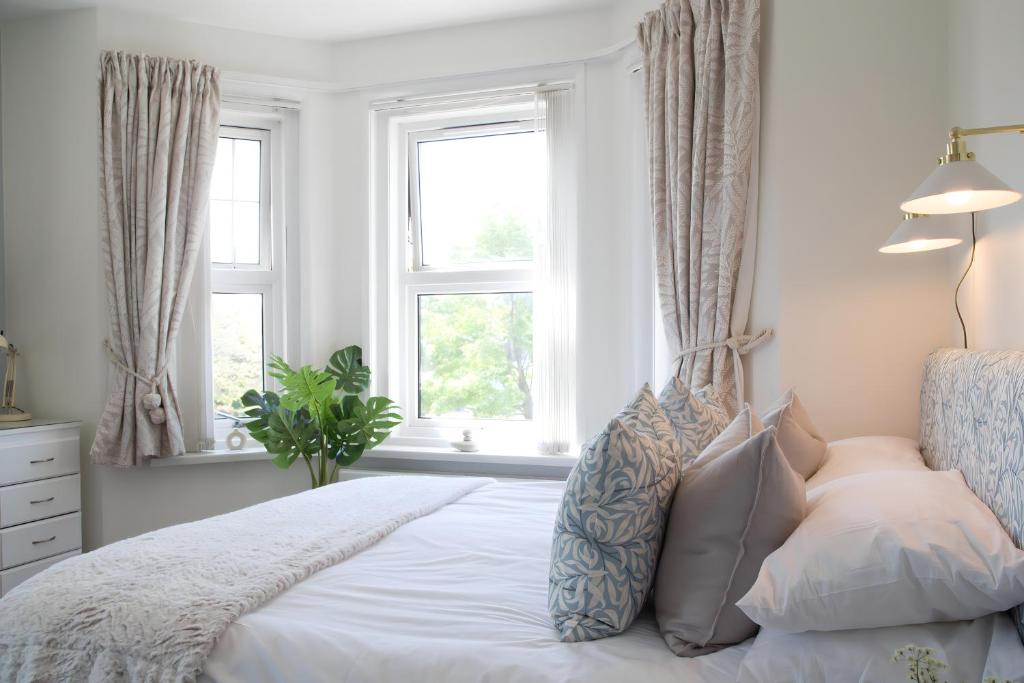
x=318 y=416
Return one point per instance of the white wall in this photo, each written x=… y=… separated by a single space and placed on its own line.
x=843 y=130
x=53 y=270
x=853 y=102
x=986 y=88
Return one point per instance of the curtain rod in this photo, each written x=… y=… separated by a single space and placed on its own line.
x=469 y=95
x=268 y=102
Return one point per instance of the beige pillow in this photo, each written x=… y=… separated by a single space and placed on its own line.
x=798 y=437
x=736 y=505
x=742 y=427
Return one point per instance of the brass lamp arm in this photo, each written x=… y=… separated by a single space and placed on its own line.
x=956 y=148
x=958 y=132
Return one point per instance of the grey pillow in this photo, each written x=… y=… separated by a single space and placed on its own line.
x=803 y=445
x=731 y=510
x=696 y=422
x=611 y=522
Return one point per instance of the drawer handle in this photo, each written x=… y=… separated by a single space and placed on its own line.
x=44 y=500
x=45 y=540
x=36 y=462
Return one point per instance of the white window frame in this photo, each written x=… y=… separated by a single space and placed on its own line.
x=408 y=278
x=262 y=136
x=269 y=277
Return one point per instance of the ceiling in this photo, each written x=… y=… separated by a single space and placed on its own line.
x=317 y=19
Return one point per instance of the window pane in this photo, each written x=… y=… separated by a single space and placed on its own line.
x=247 y=232
x=481 y=198
x=220 y=186
x=247 y=170
x=237 y=335
x=220 y=231
x=476 y=356
x=235 y=202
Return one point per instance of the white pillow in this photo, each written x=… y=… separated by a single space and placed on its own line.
x=863 y=454
x=983 y=649
x=887 y=549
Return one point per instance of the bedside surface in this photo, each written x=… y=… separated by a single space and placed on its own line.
x=36 y=422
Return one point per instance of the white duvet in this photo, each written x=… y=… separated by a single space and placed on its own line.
x=457 y=595
x=461 y=595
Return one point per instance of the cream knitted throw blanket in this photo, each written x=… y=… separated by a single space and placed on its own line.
x=151 y=608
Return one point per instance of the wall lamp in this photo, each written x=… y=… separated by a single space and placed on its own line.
x=958 y=185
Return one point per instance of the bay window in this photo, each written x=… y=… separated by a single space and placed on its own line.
x=466 y=192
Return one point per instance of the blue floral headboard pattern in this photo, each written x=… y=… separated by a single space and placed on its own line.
x=972 y=420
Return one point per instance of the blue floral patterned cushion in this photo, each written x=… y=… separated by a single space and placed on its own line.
x=696 y=417
x=610 y=524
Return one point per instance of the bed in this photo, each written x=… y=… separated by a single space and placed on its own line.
x=453 y=587
x=457 y=595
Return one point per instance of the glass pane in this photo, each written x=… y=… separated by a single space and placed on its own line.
x=237 y=335
x=220 y=186
x=482 y=198
x=247 y=170
x=220 y=231
x=476 y=356
x=247 y=232
x=235 y=202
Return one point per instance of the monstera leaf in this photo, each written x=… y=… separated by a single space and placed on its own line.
x=306 y=386
x=259 y=407
x=346 y=365
x=370 y=423
x=287 y=434
x=292 y=434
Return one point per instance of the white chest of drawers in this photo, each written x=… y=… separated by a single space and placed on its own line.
x=40 y=498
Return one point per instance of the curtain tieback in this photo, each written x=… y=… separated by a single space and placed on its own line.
x=740 y=344
x=152 y=401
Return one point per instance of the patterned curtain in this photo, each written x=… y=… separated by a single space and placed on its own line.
x=158 y=138
x=702 y=99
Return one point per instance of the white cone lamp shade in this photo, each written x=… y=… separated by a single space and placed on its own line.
x=959 y=187
x=923 y=233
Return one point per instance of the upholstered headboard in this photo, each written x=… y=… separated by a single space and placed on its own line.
x=972 y=420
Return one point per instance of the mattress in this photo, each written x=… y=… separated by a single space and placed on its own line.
x=457 y=595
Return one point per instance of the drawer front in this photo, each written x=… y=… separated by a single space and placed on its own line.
x=36 y=540
x=9 y=578
x=39 y=499
x=38 y=455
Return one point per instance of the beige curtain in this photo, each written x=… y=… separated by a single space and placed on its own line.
x=158 y=139
x=700 y=62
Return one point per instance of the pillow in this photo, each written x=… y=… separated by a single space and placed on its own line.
x=867 y=454
x=745 y=425
x=985 y=649
x=711 y=397
x=798 y=436
x=610 y=523
x=731 y=509
x=694 y=421
x=887 y=549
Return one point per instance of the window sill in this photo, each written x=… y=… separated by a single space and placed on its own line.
x=411 y=459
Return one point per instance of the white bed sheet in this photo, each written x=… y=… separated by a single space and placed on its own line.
x=457 y=595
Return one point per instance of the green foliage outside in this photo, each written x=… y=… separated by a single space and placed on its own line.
x=503 y=238
x=318 y=416
x=237 y=349
x=476 y=350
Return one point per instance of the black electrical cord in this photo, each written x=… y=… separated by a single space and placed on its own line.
x=956 y=296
